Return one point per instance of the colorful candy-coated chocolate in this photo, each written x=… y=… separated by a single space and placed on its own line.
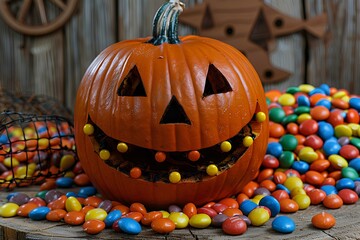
x=112 y=217
x=39 y=213
x=129 y=226
x=93 y=226
x=234 y=226
x=180 y=219
x=271 y=203
x=200 y=220
x=259 y=216
x=163 y=225
x=283 y=224
x=323 y=220
x=8 y=210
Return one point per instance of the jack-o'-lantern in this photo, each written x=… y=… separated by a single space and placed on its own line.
x=168 y=120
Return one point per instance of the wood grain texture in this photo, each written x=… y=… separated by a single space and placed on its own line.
x=336 y=61
x=54 y=64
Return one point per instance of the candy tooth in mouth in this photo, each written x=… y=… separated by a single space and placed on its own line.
x=173 y=167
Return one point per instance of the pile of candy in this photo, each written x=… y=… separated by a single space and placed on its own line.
x=34 y=147
x=312 y=158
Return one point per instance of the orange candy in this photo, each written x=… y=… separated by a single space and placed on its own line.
x=74 y=218
x=25 y=209
x=323 y=220
x=149 y=217
x=163 y=225
x=288 y=205
x=93 y=226
x=190 y=210
x=56 y=215
x=332 y=201
x=230 y=202
x=138 y=207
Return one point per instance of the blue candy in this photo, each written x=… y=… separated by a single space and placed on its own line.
x=112 y=217
x=303 y=101
x=283 y=224
x=325 y=88
x=87 y=191
x=355 y=164
x=355 y=103
x=271 y=203
x=329 y=189
x=345 y=183
x=324 y=102
x=316 y=90
x=275 y=149
x=300 y=166
x=331 y=146
x=247 y=206
x=325 y=131
x=71 y=194
x=129 y=226
x=64 y=182
x=39 y=213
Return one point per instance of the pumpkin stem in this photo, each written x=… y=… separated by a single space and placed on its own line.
x=165 y=24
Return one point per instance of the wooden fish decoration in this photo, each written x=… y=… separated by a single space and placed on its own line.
x=252 y=27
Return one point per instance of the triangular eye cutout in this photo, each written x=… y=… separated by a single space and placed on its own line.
x=132 y=85
x=174 y=113
x=215 y=82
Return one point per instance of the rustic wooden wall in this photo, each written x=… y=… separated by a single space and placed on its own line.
x=54 y=64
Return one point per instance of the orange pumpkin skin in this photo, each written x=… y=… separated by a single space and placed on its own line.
x=167 y=71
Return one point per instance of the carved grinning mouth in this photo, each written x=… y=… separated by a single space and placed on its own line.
x=154 y=170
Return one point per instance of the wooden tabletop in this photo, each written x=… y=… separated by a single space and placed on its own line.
x=347 y=227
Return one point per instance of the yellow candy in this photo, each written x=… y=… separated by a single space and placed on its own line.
x=225 y=146
x=96 y=213
x=345 y=98
x=17 y=132
x=200 y=220
x=297 y=191
x=72 y=204
x=257 y=201
x=69 y=174
x=308 y=154
x=174 y=177
x=122 y=147
x=11 y=162
x=104 y=154
x=8 y=210
x=23 y=172
x=258 y=197
x=180 y=219
x=43 y=142
x=342 y=131
x=248 y=141
x=260 y=116
x=303 y=117
x=88 y=129
x=293 y=182
x=66 y=162
x=306 y=88
x=338 y=161
x=32 y=166
x=339 y=94
x=287 y=99
x=354 y=128
x=259 y=216
x=212 y=170
x=302 y=200
x=165 y=214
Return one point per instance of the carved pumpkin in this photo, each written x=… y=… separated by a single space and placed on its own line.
x=168 y=120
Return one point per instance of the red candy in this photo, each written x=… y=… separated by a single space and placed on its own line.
x=308 y=127
x=349 y=152
x=234 y=226
x=348 y=196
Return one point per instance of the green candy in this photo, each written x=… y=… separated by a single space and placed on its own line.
x=356 y=142
x=292 y=90
x=349 y=172
x=286 y=159
x=276 y=114
x=288 y=142
x=41 y=194
x=289 y=119
x=301 y=110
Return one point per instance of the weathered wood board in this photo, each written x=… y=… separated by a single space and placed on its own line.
x=54 y=64
x=347 y=227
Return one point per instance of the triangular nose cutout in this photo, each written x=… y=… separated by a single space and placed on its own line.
x=174 y=113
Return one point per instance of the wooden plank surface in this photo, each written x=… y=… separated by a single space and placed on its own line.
x=347 y=227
